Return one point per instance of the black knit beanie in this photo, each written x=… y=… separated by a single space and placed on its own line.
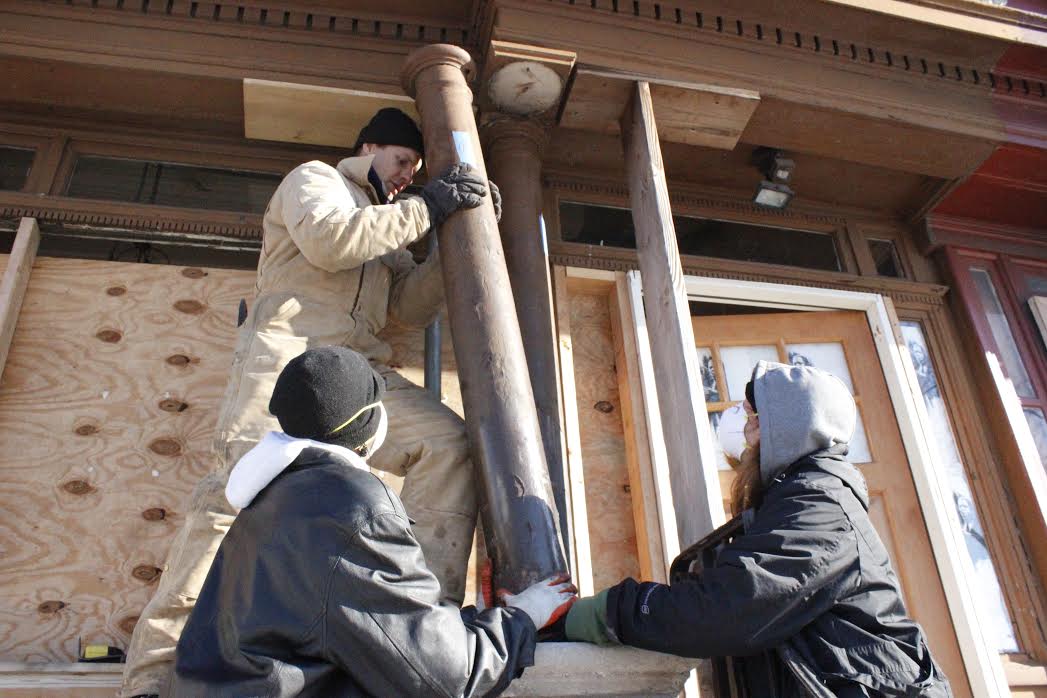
x=390 y=126
x=318 y=391
x=750 y=395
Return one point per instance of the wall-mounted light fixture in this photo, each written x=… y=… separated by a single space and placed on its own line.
x=774 y=191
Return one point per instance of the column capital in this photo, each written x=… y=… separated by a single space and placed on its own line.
x=501 y=131
x=428 y=56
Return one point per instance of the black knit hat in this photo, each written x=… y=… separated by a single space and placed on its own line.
x=390 y=126
x=320 y=390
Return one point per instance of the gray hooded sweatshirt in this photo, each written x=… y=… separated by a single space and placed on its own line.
x=802 y=410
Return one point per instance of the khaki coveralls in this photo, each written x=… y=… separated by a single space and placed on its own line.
x=333 y=270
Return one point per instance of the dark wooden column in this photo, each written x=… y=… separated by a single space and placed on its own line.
x=681 y=402
x=513 y=146
x=517 y=507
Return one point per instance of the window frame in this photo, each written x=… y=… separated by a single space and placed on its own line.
x=44 y=150
x=689 y=206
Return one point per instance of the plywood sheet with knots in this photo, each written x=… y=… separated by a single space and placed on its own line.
x=107 y=412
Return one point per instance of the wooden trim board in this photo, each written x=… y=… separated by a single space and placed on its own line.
x=645 y=455
x=1038 y=305
x=15 y=281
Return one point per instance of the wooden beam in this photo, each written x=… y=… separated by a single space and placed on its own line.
x=15 y=281
x=284 y=111
x=685 y=426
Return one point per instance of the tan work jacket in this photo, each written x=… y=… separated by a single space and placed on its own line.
x=333 y=271
x=334 y=258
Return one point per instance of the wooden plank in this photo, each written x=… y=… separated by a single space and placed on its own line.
x=659 y=457
x=596 y=102
x=15 y=281
x=685 y=427
x=695 y=114
x=638 y=442
x=283 y=111
x=107 y=415
x=713 y=118
x=575 y=485
x=84 y=680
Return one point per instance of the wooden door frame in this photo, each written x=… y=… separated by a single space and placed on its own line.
x=984 y=668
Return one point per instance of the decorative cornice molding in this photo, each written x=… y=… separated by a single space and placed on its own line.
x=833 y=48
x=110 y=214
x=285 y=16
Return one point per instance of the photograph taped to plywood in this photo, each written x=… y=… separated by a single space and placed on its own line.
x=293 y=113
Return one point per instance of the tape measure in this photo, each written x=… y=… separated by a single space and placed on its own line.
x=101 y=654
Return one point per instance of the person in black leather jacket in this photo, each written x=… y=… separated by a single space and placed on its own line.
x=804 y=594
x=320 y=588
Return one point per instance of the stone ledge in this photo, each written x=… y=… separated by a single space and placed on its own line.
x=573 y=669
x=563 y=669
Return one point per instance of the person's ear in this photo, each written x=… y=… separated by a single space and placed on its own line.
x=368 y=149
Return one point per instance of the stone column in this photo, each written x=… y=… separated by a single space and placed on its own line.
x=516 y=502
x=513 y=146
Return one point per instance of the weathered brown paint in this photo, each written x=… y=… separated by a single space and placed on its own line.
x=519 y=517
x=514 y=146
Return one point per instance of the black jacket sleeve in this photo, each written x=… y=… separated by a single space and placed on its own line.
x=790 y=567
x=384 y=624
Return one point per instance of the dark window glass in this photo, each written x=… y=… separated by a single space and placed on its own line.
x=885 y=255
x=613 y=227
x=170 y=184
x=14 y=167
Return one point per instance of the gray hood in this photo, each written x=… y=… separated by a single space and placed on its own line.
x=802 y=411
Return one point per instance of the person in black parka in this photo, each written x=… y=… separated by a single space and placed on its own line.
x=804 y=593
x=320 y=588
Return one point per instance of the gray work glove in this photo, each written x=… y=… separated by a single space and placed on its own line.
x=458 y=187
x=496 y=199
x=545 y=601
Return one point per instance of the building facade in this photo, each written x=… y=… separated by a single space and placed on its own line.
x=140 y=141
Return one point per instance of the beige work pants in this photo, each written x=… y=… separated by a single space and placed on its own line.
x=426 y=445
